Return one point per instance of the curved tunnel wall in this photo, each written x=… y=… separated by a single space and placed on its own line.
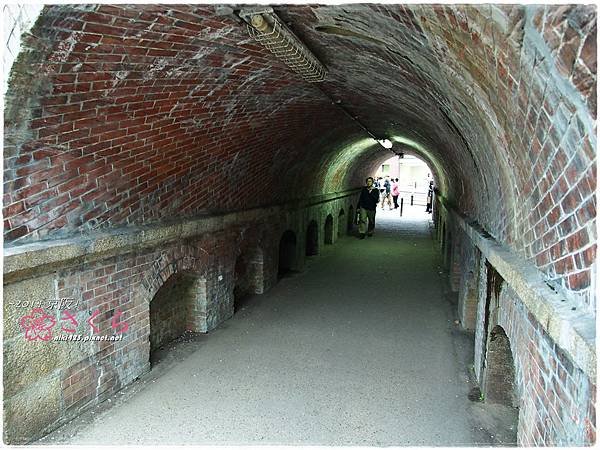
x=120 y=115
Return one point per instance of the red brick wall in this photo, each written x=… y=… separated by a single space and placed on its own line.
x=117 y=290
x=546 y=128
x=129 y=114
x=138 y=122
x=135 y=113
x=557 y=400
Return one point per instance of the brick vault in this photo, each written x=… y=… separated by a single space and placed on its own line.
x=124 y=126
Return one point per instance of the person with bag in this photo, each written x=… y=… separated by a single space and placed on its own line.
x=367 y=206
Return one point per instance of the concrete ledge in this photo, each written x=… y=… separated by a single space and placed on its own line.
x=34 y=259
x=572 y=330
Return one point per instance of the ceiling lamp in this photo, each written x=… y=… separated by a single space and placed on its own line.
x=386 y=143
x=267 y=29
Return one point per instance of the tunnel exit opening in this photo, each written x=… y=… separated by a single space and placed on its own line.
x=414 y=180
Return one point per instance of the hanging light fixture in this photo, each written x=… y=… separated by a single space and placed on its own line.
x=267 y=29
x=386 y=143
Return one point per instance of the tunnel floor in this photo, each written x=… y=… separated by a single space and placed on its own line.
x=361 y=348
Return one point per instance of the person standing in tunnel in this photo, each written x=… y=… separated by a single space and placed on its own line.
x=429 y=206
x=395 y=192
x=367 y=206
x=387 y=193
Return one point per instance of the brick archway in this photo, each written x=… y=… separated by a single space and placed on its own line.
x=180 y=260
x=248 y=275
x=178 y=306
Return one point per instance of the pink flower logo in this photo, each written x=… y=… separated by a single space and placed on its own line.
x=37 y=325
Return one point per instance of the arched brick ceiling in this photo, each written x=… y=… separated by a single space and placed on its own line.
x=128 y=113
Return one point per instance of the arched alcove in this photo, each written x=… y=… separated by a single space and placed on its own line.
x=287 y=253
x=341 y=223
x=329 y=230
x=249 y=276
x=448 y=252
x=312 y=239
x=499 y=371
x=174 y=307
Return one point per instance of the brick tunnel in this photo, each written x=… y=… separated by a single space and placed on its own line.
x=161 y=152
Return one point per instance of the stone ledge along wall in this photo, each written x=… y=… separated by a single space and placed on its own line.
x=46 y=383
x=551 y=343
x=119 y=116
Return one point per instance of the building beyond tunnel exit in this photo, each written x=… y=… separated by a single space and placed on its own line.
x=160 y=149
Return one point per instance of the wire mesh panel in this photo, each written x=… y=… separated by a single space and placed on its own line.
x=283 y=44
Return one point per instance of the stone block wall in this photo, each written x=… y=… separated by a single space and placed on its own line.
x=18 y=19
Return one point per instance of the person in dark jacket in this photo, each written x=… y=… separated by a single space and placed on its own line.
x=429 y=206
x=367 y=206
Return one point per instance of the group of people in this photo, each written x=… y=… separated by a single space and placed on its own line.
x=389 y=190
x=370 y=196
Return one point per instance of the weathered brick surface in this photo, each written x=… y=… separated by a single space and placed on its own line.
x=130 y=113
x=160 y=292
x=173 y=306
x=556 y=399
x=470 y=258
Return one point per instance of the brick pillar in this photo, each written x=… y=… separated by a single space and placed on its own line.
x=468 y=287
